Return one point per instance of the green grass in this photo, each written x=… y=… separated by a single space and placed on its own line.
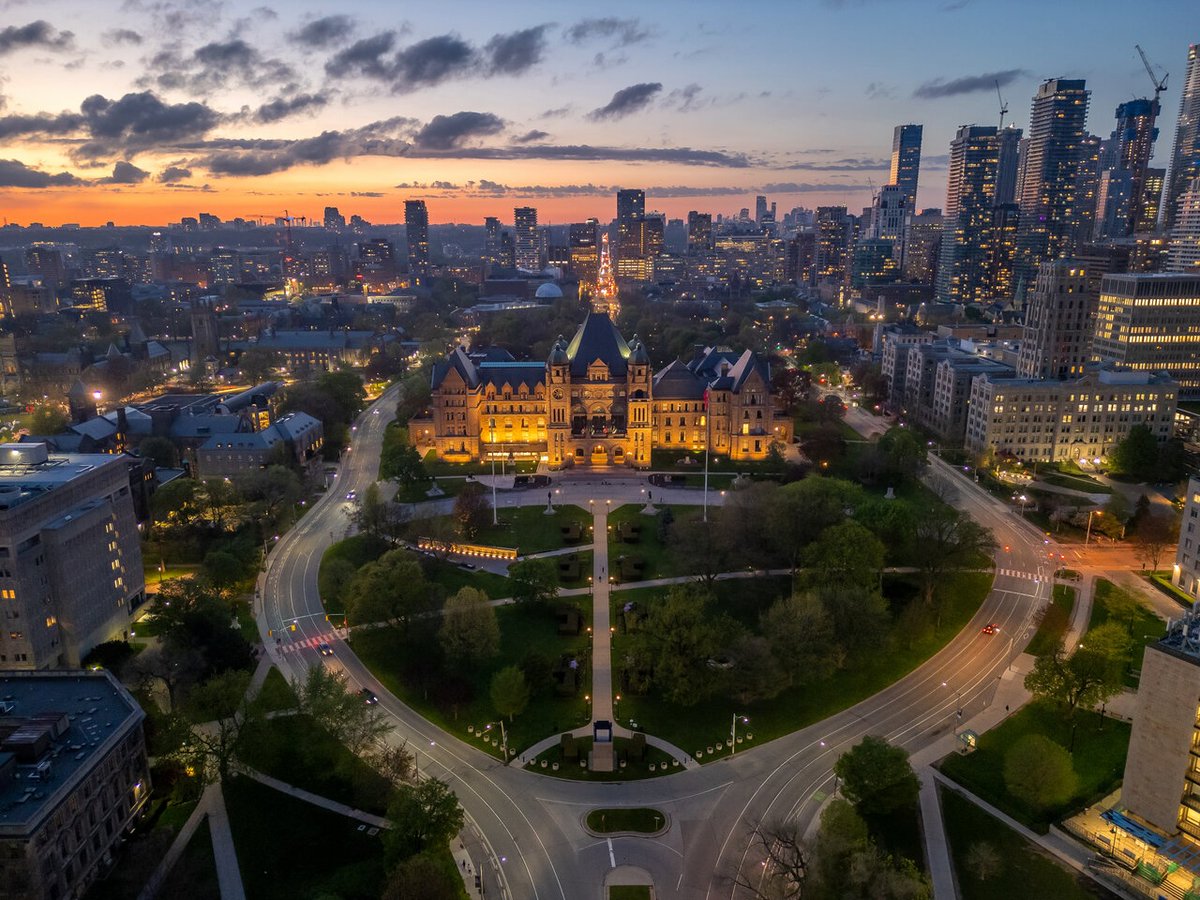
x=294 y=750
x=657 y=555
x=1098 y=758
x=671 y=461
x=195 y=874
x=357 y=550
x=699 y=726
x=640 y=819
x=439 y=467
x=276 y=692
x=1024 y=870
x=1054 y=624
x=521 y=630
x=1163 y=583
x=630 y=892
x=418 y=493
x=526 y=529
x=289 y=848
x=1144 y=627
x=1074 y=482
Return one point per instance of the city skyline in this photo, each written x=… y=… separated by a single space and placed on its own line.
x=141 y=112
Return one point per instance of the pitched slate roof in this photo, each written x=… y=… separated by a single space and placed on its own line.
x=460 y=362
x=678 y=382
x=514 y=374
x=725 y=370
x=598 y=338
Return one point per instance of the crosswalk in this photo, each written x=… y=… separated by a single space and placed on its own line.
x=1017 y=573
x=312 y=643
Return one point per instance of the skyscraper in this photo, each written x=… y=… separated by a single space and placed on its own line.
x=1057 y=340
x=334 y=220
x=527 y=246
x=906 y=160
x=1185 y=159
x=921 y=243
x=493 y=258
x=833 y=227
x=760 y=208
x=1049 y=205
x=890 y=214
x=416 y=230
x=967 y=224
x=1007 y=164
x=631 y=212
x=584 y=244
x=1185 y=236
x=699 y=233
x=1121 y=198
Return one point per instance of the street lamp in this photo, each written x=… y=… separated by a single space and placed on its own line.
x=503 y=737
x=1087 y=537
x=616 y=706
x=733 y=732
x=958 y=708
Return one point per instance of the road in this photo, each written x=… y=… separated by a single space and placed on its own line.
x=531 y=824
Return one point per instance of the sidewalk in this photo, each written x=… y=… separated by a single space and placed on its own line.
x=602 y=691
x=315 y=799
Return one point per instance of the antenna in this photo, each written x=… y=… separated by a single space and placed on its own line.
x=1159 y=85
x=1003 y=105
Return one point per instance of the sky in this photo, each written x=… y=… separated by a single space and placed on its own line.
x=143 y=111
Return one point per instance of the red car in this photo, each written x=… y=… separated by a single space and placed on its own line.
x=991 y=628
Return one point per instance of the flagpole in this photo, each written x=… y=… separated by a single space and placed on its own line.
x=707 y=441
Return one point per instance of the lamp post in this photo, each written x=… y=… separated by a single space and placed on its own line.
x=1087 y=537
x=495 y=514
x=733 y=732
x=957 y=707
x=503 y=737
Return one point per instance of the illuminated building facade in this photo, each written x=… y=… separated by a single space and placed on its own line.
x=1151 y=323
x=583 y=244
x=1185 y=159
x=906 y=161
x=834 y=228
x=596 y=401
x=527 y=246
x=1184 y=254
x=967 y=225
x=416 y=230
x=1058 y=323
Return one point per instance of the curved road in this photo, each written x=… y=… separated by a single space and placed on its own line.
x=531 y=823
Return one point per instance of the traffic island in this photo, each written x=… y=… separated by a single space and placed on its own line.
x=639 y=821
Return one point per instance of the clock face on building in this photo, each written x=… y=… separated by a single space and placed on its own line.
x=558 y=394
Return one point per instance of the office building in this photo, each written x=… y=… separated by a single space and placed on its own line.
x=760 y=209
x=906 y=161
x=526 y=242
x=1050 y=208
x=967 y=225
x=1133 y=142
x=376 y=260
x=890 y=214
x=1184 y=253
x=73 y=561
x=699 y=233
x=1185 y=157
x=1035 y=419
x=596 y=402
x=73 y=779
x=1151 y=323
x=1059 y=315
x=922 y=243
x=583 y=241
x=416 y=232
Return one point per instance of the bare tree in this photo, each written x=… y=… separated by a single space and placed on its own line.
x=783 y=862
x=1155 y=534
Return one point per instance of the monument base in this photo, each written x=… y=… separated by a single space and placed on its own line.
x=601 y=759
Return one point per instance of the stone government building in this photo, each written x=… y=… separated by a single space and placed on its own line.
x=597 y=402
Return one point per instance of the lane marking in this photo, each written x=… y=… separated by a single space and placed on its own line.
x=612 y=859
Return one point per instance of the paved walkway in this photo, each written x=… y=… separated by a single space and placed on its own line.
x=316 y=799
x=602 y=689
x=229 y=876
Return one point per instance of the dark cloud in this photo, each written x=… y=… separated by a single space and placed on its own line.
x=877 y=90
x=583 y=152
x=512 y=54
x=431 y=62
x=448 y=132
x=557 y=113
x=172 y=174
x=530 y=137
x=685 y=98
x=496 y=189
x=363 y=57
x=621 y=32
x=805 y=187
x=325 y=31
x=18 y=126
x=15 y=174
x=140 y=121
x=216 y=65
x=967 y=84
x=122 y=36
x=126 y=173
x=843 y=165
x=433 y=185
x=282 y=107
x=367 y=194
x=40 y=34
x=627 y=101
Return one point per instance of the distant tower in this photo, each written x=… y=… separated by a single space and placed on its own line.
x=205 y=332
x=906 y=160
x=1185 y=159
x=416 y=230
x=527 y=247
x=968 y=223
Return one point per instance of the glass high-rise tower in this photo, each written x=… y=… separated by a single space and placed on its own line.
x=906 y=160
x=416 y=230
x=527 y=247
x=1185 y=160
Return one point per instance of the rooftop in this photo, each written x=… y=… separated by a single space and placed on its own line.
x=66 y=719
x=29 y=470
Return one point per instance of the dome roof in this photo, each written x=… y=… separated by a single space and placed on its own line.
x=637 y=352
x=549 y=291
x=558 y=354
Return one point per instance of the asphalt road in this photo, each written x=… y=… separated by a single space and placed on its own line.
x=531 y=824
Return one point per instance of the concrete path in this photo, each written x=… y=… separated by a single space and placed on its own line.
x=175 y=851
x=561 y=551
x=937 y=848
x=602 y=690
x=229 y=876
x=316 y=799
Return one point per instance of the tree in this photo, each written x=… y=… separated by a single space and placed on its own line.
x=824 y=445
x=1085 y=678
x=785 y=862
x=161 y=450
x=702 y=548
x=846 y=553
x=272 y=489
x=859 y=616
x=423 y=815
x=391 y=589
x=1039 y=773
x=534 y=580
x=222 y=569
x=877 y=777
x=323 y=695
x=800 y=633
x=1156 y=533
x=189 y=614
x=373 y=516
x=983 y=859
x=415 y=394
x=510 y=692
x=676 y=641
x=175 y=670
x=903 y=454
x=946 y=539
x=395 y=762
x=471 y=509
x=402 y=463
x=756 y=673
x=470 y=633
x=422 y=876
x=48 y=419
x=215 y=497
x=334 y=578
x=175 y=503
x=847 y=865
x=222 y=718
x=1136 y=454
x=257 y=364
x=803 y=509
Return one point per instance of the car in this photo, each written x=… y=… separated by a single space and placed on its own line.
x=352 y=495
x=368 y=696
x=991 y=628
x=325 y=649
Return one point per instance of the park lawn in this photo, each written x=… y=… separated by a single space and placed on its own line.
x=1144 y=628
x=526 y=529
x=522 y=629
x=612 y=819
x=1075 y=482
x=1049 y=633
x=702 y=725
x=1162 y=581
x=418 y=492
x=451 y=577
x=194 y=875
x=658 y=556
x=1099 y=759
x=289 y=848
x=1024 y=869
x=439 y=467
x=276 y=693
x=294 y=750
x=672 y=461
x=630 y=892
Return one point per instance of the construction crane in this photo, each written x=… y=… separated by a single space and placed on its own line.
x=1003 y=105
x=1159 y=85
